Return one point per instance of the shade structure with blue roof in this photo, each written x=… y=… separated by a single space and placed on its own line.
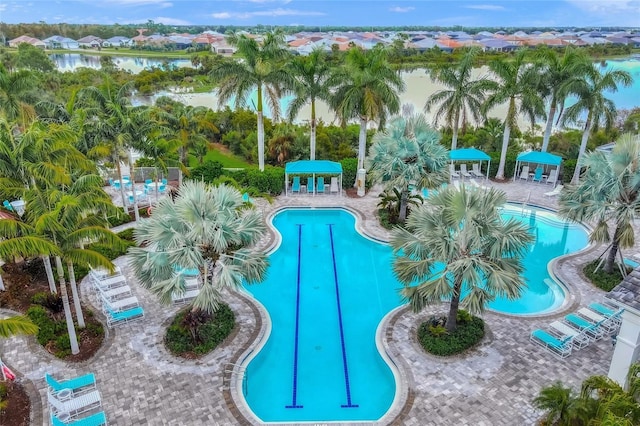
x=473 y=155
x=537 y=157
x=313 y=168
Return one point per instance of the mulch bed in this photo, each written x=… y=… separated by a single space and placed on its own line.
x=23 y=280
x=18 y=407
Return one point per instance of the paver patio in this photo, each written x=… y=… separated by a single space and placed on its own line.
x=494 y=384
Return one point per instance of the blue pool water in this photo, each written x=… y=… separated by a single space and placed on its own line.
x=327 y=290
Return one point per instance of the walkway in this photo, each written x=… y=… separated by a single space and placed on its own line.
x=492 y=385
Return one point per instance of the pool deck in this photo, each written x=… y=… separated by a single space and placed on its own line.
x=493 y=384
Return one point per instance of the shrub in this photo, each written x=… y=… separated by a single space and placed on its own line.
x=209 y=331
x=118 y=220
x=349 y=172
x=434 y=338
x=601 y=279
x=53 y=302
x=126 y=235
x=46 y=326
x=509 y=164
x=207 y=172
x=568 y=168
x=271 y=181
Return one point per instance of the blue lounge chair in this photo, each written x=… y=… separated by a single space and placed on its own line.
x=590 y=329
x=164 y=181
x=7 y=205
x=97 y=419
x=607 y=312
x=606 y=323
x=320 y=186
x=79 y=384
x=246 y=198
x=148 y=181
x=295 y=186
x=118 y=317
x=558 y=347
x=537 y=175
x=310 y=188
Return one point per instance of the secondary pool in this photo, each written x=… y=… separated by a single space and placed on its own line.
x=328 y=288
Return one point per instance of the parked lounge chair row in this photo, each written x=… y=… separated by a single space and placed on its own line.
x=71 y=398
x=464 y=173
x=538 y=175
x=119 y=304
x=577 y=330
x=318 y=188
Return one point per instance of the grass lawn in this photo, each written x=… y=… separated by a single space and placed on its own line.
x=226 y=159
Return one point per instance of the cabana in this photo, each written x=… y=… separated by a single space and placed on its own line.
x=539 y=158
x=472 y=155
x=312 y=168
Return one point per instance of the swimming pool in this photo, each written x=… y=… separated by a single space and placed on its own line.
x=327 y=289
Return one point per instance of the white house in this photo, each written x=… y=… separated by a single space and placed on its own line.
x=117 y=41
x=90 y=41
x=60 y=42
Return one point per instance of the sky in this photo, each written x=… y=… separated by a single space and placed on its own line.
x=446 y=13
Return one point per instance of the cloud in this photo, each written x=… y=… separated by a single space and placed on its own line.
x=3 y=7
x=398 y=9
x=269 y=13
x=602 y=6
x=486 y=7
x=160 y=3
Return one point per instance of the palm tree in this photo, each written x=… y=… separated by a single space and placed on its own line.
x=458 y=241
x=559 y=404
x=608 y=195
x=311 y=81
x=462 y=98
x=367 y=89
x=208 y=228
x=516 y=85
x=262 y=69
x=17 y=325
x=591 y=99
x=408 y=152
x=14 y=87
x=557 y=72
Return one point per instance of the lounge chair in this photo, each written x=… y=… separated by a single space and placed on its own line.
x=553 y=176
x=538 y=175
x=463 y=171
x=478 y=185
x=608 y=325
x=606 y=311
x=121 y=304
x=97 y=419
x=185 y=296
x=115 y=293
x=295 y=186
x=579 y=340
x=452 y=171
x=558 y=347
x=590 y=329
x=107 y=283
x=524 y=173
x=310 y=188
x=115 y=318
x=320 y=185
x=425 y=193
x=476 y=170
x=334 y=186
x=246 y=198
x=556 y=191
x=7 y=205
x=75 y=404
x=77 y=385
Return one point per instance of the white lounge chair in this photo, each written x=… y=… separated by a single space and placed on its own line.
x=74 y=405
x=524 y=173
x=476 y=170
x=556 y=191
x=553 y=176
x=334 y=185
x=121 y=304
x=116 y=293
x=452 y=171
x=478 y=185
x=463 y=171
x=579 y=339
x=606 y=323
x=105 y=284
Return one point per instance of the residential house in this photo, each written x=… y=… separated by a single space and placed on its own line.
x=60 y=42
x=117 y=41
x=496 y=45
x=26 y=39
x=222 y=47
x=90 y=41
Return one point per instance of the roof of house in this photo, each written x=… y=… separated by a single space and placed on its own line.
x=118 y=39
x=26 y=39
x=89 y=39
x=59 y=39
x=628 y=291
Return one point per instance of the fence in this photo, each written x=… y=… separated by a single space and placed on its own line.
x=140 y=174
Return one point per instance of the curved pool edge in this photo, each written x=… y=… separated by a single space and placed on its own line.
x=402 y=375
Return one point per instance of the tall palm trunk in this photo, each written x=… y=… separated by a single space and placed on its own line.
x=260 y=130
x=362 y=142
x=583 y=148
x=613 y=251
x=49 y=270
x=503 y=152
x=74 y=294
x=452 y=319
x=73 y=339
x=124 y=200
x=402 y=214
x=136 y=213
x=183 y=160
x=312 y=147
x=454 y=138
x=549 y=127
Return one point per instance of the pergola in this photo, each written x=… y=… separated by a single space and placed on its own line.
x=536 y=157
x=313 y=168
x=471 y=154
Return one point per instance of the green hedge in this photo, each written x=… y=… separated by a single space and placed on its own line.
x=271 y=181
x=349 y=172
x=435 y=340
x=568 y=168
x=180 y=342
x=207 y=172
x=601 y=279
x=509 y=164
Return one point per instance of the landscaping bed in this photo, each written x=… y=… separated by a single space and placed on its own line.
x=601 y=279
x=193 y=334
x=17 y=410
x=435 y=339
